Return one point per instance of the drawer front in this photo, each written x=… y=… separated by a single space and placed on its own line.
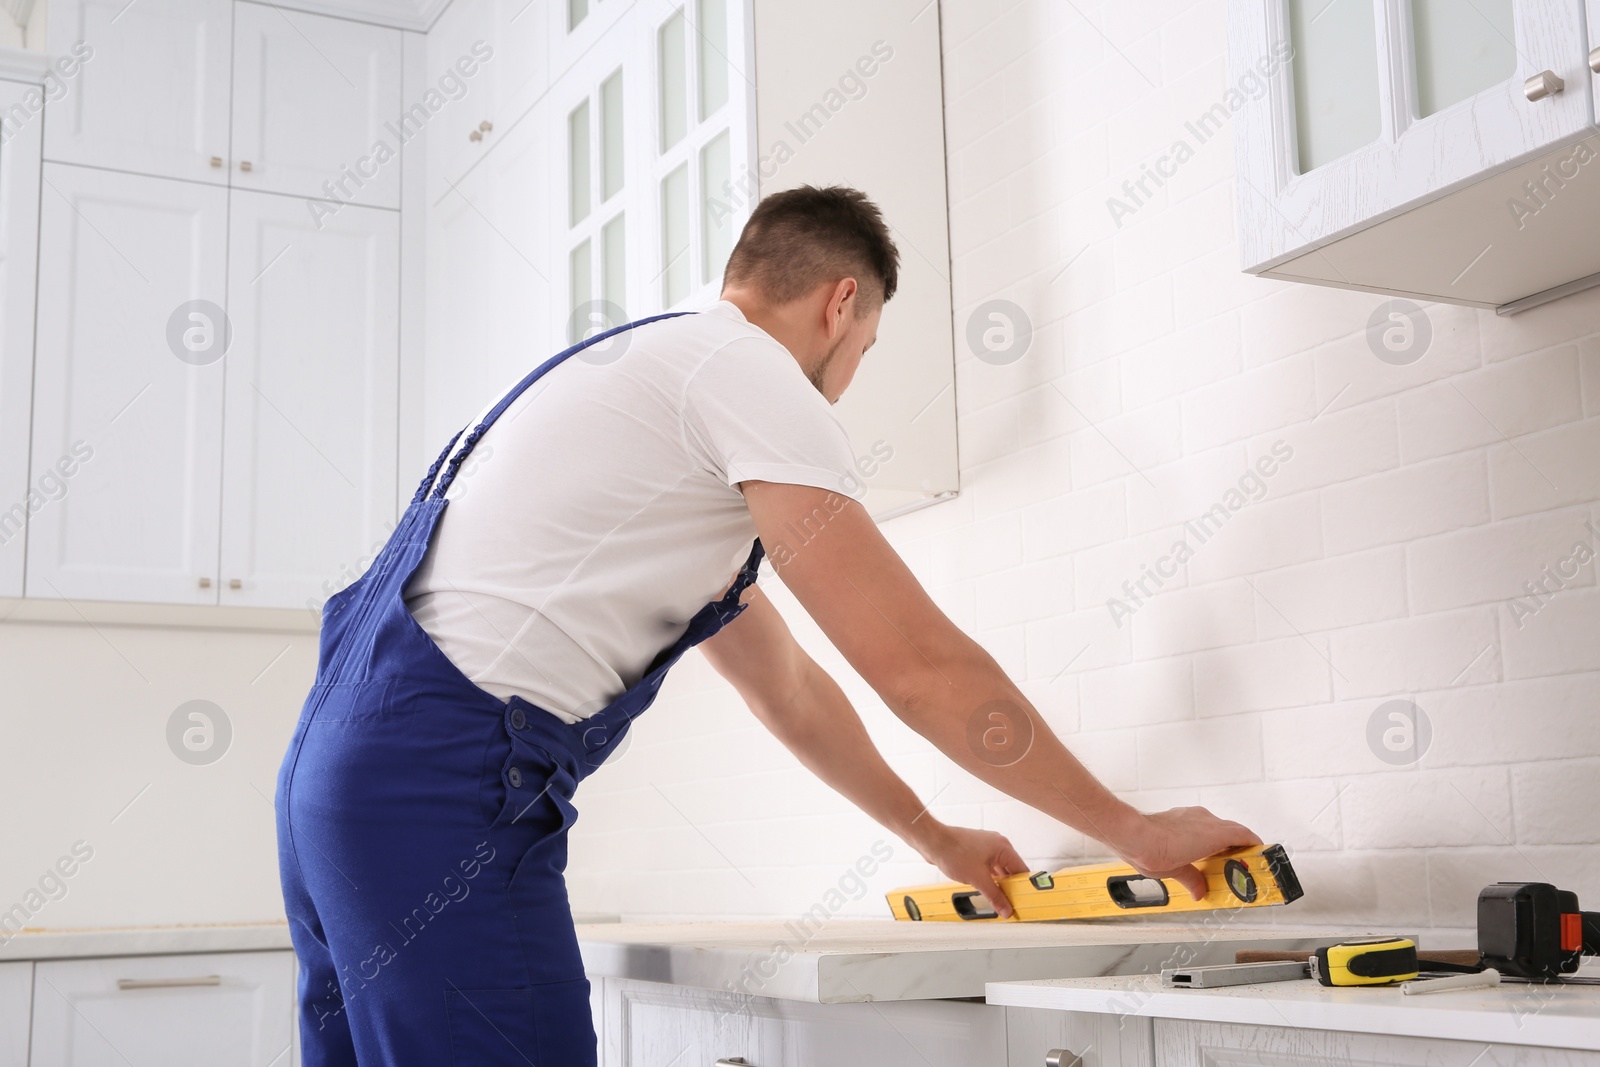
x=1190 y=1044
x=649 y=1024
x=1097 y=1040
x=178 y=1011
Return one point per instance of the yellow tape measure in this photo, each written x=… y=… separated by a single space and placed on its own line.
x=1376 y=962
x=1241 y=877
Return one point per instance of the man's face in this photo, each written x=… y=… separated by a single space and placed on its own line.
x=838 y=368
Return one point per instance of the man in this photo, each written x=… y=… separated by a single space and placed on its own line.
x=496 y=652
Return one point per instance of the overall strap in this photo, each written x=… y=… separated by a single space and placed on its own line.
x=510 y=398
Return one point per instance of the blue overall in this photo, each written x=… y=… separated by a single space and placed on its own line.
x=422 y=829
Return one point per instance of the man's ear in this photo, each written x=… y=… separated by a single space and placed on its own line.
x=842 y=306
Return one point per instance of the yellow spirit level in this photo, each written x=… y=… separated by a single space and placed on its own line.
x=1241 y=877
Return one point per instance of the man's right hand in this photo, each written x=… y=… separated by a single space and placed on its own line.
x=1167 y=844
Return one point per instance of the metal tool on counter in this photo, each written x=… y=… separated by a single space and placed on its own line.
x=1378 y=961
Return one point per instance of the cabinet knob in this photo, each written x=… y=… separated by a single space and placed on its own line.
x=205 y=583
x=216 y=161
x=475 y=135
x=485 y=125
x=1543 y=84
x=235 y=583
x=1060 y=1057
x=245 y=165
x=1594 y=60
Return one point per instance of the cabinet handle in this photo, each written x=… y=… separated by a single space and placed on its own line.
x=216 y=161
x=1543 y=84
x=235 y=583
x=245 y=165
x=1594 y=60
x=1060 y=1057
x=169 y=983
x=733 y=1061
x=205 y=583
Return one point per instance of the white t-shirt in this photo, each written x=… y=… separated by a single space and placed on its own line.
x=601 y=511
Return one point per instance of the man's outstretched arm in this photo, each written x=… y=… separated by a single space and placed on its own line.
x=940 y=682
x=807 y=711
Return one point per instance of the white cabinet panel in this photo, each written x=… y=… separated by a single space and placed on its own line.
x=19 y=234
x=153 y=98
x=177 y=1011
x=464 y=40
x=1100 y=1040
x=316 y=106
x=309 y=458
x=461 y=311
x=16 y=1007
x=1192 y=1044
x=900 y=409
x=133 y=429
x=649 y=1024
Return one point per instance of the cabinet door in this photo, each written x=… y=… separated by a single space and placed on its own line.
x=1099 y=1040
x=1384 y=104
x=16 y=1007
x=316 y=106
x=177 y=1011
x=308 y=486
x=127 y=419
x=456 y=138
x=153 y=97
x=19 y=234
x=648 y=1024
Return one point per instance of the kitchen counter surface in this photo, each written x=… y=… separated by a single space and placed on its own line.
x=98 y=942
x=846 y=960
x=144 y=941
x=1511 y=1013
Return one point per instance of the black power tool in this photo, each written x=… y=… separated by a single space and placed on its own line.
x=1535 y=931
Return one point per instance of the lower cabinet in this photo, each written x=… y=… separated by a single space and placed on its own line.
x=1195 y=1044
x=1034 y=1035
x=177 y=1011
x=16 y=993
x=647 y=1024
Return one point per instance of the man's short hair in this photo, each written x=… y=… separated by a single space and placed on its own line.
x=801 y=238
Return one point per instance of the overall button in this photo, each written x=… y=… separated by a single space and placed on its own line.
x=518 y=720
x=514 y=776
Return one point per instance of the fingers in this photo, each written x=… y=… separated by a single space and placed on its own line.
x=1009 y=860
x=1190 y=878
x=995 y=896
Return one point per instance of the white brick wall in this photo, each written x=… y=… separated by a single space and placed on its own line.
x=1384 y=560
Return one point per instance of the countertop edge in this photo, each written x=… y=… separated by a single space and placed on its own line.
x=1421 y=1020
x=44 y=945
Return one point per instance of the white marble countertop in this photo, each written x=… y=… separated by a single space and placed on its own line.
x=145 y=941
x=107 y=941
x=1511 y=1013
x=847 y=960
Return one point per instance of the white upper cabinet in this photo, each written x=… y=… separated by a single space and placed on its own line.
x=886 y=138
x=317 y=108
x=127 y=413
x=19 y=230
x=1388 y=145
x=152 y=95
x=308 y=487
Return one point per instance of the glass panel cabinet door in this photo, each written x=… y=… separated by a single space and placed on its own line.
x=1373 y=107
x=1336 y=105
